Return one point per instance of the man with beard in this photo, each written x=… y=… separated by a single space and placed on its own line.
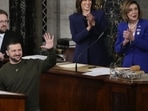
x=5 y=34
x=23 y=75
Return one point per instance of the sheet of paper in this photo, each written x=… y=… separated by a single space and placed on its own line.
x=122 y=68
x=71 y=65
x=9 y=93
x=98 y=71
x=41 y=57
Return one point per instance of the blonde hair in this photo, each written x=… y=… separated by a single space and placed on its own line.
x=125 y=9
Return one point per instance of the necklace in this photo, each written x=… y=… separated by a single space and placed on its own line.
x=132 y=26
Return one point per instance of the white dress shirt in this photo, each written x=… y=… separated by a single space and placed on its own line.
x=1 y=39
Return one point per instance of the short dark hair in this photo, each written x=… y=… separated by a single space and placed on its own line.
x=12 y=41
x=3 y=12
x=78 y=6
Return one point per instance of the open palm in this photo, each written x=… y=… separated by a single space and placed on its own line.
x=48 y=41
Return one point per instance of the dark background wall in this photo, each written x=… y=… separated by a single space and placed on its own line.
x=28 y=18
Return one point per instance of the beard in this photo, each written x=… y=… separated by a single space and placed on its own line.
x=3 y=29
x=13 y=59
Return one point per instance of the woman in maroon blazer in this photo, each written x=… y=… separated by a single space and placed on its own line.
x=86 y=24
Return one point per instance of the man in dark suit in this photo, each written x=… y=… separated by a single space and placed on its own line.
x=5 y=34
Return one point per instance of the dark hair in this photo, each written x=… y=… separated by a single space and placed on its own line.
x=125 y=9
x=12 y=41
x=3 y=12
x=78 y=6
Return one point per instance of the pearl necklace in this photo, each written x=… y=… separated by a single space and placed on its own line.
x=133 y=27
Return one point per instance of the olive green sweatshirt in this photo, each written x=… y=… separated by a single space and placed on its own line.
x=24 y=77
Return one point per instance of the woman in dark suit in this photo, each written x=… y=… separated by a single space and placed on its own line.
x=86 y=24
x=132 y=38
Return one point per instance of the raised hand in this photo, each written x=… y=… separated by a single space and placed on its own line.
x=48 y=41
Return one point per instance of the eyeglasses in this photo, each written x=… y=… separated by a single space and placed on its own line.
x=4 y=21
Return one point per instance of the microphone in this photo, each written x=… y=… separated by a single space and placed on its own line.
x=76 y=67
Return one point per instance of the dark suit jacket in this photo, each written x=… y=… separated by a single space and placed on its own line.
x=9 y=34
x=135 y=53
x=97 y=53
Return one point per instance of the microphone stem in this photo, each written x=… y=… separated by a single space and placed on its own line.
x=76 y=68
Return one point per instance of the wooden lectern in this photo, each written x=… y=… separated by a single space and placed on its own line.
x=63 y=89
x=12 y=101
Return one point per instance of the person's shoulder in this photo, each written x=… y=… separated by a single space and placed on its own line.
x=5 y=67
x=144 y=21
x=12 y=33
x=122 y=23
x=100 y=11
x=75 y=16
x=9 y=32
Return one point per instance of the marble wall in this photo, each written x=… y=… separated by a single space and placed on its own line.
x=4 y=4
x=144 y=7
x=58 y=12
x=66 y=8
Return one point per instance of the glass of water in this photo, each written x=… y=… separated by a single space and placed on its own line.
x=113 y=73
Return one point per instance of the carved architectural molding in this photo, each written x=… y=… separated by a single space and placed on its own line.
x=44 y=16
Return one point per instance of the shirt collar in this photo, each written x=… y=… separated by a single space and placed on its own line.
x=2 y=35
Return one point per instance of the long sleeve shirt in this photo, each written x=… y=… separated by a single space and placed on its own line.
x=24 y=77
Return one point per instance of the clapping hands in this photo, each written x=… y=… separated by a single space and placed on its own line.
x=90 y=19
x=128 y=36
